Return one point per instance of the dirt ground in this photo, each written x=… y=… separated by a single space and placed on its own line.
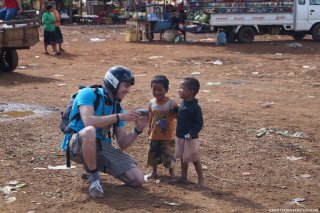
x=266 y=84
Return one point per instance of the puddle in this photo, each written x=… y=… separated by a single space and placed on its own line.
x=13 y=111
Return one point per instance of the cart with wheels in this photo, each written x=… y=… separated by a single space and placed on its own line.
x=160 y=20
x=17 y=34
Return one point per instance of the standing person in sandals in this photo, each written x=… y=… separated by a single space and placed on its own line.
x=49 y=30
x=11 y=8
x=161 y=127
x=189 y=124
x=90 y=138
x=59 y=37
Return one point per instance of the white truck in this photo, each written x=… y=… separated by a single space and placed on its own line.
x=243 y=19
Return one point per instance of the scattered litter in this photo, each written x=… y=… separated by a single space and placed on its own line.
x=265 y=131
x=305 y=176
x=255 y=73
x=218 y=62
x=213 y=83
x=97 y=39
x=10 y=199
x=61 y=85
x=60 y=167
x=204 y=167
x=39 y=168
x=267 y=104
x=233 y=82
x=141 y=75
x=294 y=45
x=246 y=173
x=145 y=177
x=195 y=73
x=158 y=181
x=293 y=158
x=37 y=56
x=206 y=90
x=155 y=57
x=296 y=201
x=278 y=54
x=310 y=96
x=57 y=75
x=22 y=67
x=280 y=186
x=172 y=203
x=10 y=188
x=306 y=67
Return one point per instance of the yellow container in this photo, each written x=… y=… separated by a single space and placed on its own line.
x=133 y=35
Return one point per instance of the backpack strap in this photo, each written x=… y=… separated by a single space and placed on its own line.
x=77 y=117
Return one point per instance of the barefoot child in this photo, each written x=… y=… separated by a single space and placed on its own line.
x=189 y=124
x=161 y=127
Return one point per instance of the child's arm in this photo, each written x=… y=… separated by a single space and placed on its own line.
x=198 y=124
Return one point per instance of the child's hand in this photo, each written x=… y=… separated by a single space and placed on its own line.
x=188 y=137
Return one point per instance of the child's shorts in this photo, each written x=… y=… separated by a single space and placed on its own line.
x=187 y=150
x=161 y=152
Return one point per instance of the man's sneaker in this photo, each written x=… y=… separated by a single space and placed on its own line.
x=85 y=176
x=95 y=189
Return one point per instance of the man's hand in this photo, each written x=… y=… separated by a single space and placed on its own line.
x=142 y=122
x=19 y=11
x=129 y=116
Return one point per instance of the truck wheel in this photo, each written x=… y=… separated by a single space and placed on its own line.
x=316 y=33
x=150 y=36
x=246 y=35
x=9 y=60
x=298 y=35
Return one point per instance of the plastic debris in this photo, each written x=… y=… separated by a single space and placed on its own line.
x=265 y=131
x=293 y=158
x=39 y=168
x=296 y=201
x=97 y=39
x=213 y=83
x=158 y=181
x=218 y=62
x=155 y=57
x=305 y=176
x=206 y=90
x=57 y=75
x=294 y=45
x=172 y=203
x=141 y=75
x=255 y=73
x=22 y=67
x=10 y=199
x=278 y=54
x=306 y=66
x=60 y=167
x=267 y=104
x=195 y=73
x=246 y=173
x=61 y=85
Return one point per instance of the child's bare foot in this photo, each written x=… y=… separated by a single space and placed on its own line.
x=200 y=183
x=180 y=180
x=153 y=175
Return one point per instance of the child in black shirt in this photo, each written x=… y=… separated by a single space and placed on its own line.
x=189 y=124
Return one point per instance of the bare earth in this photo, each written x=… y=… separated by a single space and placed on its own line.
x=261 y=85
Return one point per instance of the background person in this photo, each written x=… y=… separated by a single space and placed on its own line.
x=11 y=8
x=49 y=30
x=59 y=37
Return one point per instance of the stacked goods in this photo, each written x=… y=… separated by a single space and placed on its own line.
x=199 y=16
x=242 y=6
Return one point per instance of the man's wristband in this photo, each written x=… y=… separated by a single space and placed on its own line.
x=118 y=118
x=137 y=131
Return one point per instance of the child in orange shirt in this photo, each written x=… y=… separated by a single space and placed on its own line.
x=161 y=127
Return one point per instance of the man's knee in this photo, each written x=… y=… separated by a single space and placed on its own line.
x=88 y=134
x=136 y=177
